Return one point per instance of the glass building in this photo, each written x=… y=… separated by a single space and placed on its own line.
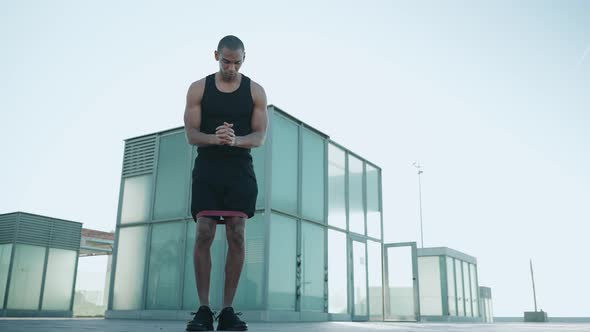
x=486 y=309
x=448 y=285
x=313 y=249
x=38 y=262
x=430 y=284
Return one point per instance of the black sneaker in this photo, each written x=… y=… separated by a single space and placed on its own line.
x=203 y=320
x=229 y=321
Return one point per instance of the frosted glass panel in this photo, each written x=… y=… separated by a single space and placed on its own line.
x=459 y=285
x=285 y=142
x=375 y=280
x=312 y=186
x=172 y=177
x=451 y=287
x=467 y=289
x=137 y=196
x=5 y=253
x=336 y=187
x=429 y=283
x=312 y=267
x=359 y=266
x=131 y=250
x=163 y=289
x=400 y=283
x=25 y=282
x=356 y=214
x=489 y=310
x=474 y=288
x=282 y=260
x=92 y=285
x=258 y=155
x=373 y=210
x=59 y=280
x=218 y=252
x=249 y=293
x=337 y=272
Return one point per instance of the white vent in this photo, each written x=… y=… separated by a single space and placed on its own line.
x=7 y=228
x=139 y=156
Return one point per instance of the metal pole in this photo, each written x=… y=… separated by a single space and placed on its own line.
x=419 y=167
x=533 y=280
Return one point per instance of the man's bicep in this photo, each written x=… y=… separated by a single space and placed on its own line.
x=260 y=116
x=192 y=118
x=259 y=119
x=192 y=113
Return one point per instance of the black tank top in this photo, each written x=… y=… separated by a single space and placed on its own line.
x=233 y=107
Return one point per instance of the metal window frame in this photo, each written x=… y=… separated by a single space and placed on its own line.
x=462 y=293
x=454 y=284
x=44 y=277
x=298 y=253
x=444 y=291
x=267 y=207
x=468 y=283
x=11 y=263
x=326 y=229
x=148 y=245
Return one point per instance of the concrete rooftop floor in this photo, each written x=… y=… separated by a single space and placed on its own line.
x=115 y=325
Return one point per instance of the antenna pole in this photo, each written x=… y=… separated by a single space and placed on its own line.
x=533 y=280
x=419 y=168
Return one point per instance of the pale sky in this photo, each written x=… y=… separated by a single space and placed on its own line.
x=492 y=97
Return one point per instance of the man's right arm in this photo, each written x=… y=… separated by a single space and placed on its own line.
x=192 y=116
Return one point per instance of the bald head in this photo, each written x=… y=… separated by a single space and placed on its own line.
x=231 y=43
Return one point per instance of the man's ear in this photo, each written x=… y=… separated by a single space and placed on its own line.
x=216 y=55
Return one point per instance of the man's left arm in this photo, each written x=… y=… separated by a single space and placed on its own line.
x=259 y=121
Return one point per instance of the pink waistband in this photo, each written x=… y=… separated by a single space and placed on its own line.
x=221 y=213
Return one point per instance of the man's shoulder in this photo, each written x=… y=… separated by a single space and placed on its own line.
x=199 y=83
x=255 y=86
x=196 y=90
x=198 y=86
x=258 y=93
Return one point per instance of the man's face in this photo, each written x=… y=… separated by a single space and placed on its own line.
x=230 y=62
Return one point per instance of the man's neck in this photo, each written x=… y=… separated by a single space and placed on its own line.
x=221 y=79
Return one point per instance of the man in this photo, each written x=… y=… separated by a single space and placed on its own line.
x=225 y=116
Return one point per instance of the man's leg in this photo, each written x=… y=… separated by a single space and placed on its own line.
x=202 y=257
x=235 y=232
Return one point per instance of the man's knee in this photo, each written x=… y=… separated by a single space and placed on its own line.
x=235 y=233
x=236 y=240
x=205 y=233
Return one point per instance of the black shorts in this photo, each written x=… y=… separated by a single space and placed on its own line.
x=224 y=184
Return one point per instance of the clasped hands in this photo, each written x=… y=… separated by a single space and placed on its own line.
x=225 y=134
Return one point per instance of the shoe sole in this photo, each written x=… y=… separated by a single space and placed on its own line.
x=234 y=329
x=200 y=329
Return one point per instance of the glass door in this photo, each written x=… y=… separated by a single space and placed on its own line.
x=401 y=302
x=358 y=258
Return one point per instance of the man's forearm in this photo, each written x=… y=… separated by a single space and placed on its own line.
x=198 y=138
x=251 y=140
